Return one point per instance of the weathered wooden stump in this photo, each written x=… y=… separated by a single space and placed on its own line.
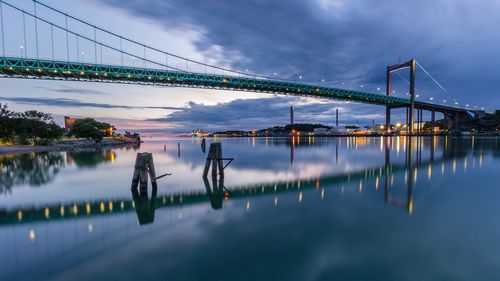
x=203 y=145
x=143 y=168
x=215 y=158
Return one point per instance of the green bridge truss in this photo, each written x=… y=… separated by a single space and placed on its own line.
x=60 y=70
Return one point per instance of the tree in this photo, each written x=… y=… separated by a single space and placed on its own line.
x=6 y=123
x=89 y=128
x=37 y=128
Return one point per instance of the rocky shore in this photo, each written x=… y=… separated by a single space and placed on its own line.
x=68 y=145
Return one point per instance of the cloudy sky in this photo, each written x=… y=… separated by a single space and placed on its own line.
x=346 y=43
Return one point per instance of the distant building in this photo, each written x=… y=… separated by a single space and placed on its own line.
x=68 y=123
x=199 y=133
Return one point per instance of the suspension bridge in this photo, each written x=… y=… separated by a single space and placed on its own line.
x=65 y=47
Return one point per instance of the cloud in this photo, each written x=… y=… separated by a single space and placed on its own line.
x=268 y=112
x=71 y=90
x=65 y=102
x=339 y=39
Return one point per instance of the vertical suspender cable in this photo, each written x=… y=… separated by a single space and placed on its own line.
x=144 y=56
x=95 y=46
x=36 y=30
x=52 y=39
x=121 y=50
x=1 y=23
x=24 y=28
x=100 y=45
x=67 y=39
x=77 y=48
x=166 y=61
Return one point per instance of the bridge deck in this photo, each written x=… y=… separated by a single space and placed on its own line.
x=47 y=69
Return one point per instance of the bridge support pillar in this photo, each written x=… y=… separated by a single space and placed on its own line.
x=388 y=120
x=433 y=121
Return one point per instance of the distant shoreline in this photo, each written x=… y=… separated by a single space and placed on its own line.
x=65 y=146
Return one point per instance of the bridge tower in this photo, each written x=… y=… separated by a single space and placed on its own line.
x=410 y=111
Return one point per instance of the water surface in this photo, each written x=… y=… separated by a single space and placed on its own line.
x=285 y=209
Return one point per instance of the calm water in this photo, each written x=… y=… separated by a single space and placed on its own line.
x=307 y=209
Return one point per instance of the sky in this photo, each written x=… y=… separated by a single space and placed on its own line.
x=348 y=44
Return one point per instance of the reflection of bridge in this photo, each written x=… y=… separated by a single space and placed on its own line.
x=145 y=207
x=160 y=67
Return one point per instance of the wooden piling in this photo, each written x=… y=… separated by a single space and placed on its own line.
x=178 y=150
x=143 y=170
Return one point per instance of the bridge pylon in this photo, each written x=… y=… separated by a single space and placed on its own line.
x=411 y=108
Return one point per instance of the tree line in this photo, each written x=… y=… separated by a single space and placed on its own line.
x=38 y=128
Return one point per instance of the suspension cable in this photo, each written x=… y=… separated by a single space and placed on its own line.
x=36 y=30
x=1 y=23
x=146 y=46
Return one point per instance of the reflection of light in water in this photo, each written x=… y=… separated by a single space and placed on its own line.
x=275 y=200
x=87 y=208
x=376 y=183
x=360 y=185
x=32 y=235
x=465 y=164
x=19 y=215
x=481 y=160
x=410 y=206
x=454 y=165
x=392 y=180
x=61 y=210
x=46 y=212
x=110 y=206
x=416 y=175
x=74 y=209
x=442 y=168
x=397 y=145
x=300 y=197
x=406 y=176
x=248 y=205
x=90 y=227
x=322 y=193
x=122 y=204
x=429 y=171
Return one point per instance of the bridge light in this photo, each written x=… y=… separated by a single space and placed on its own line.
x=467 y=105
x=417 y=95
x=444 y=101
x=431 y=98
x=275 y=74
x=362 y=85
x=81 y=72
x=456 y=103
x=378 y=88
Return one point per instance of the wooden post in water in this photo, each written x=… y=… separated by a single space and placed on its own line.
x=178 y=150
x=215 y=159
x=144 y=168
